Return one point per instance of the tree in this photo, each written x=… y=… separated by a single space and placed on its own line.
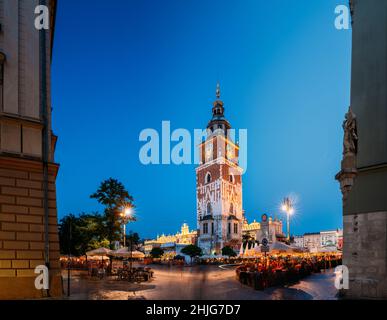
x=156 y=252
x=228 y=251
x=192 y=251
x=78 y=234
x=68 y=235
x=95 y=244
x=133 y=238
x=113 y=195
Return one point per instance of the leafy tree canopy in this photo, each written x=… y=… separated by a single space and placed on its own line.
x=79 y=234
x=192 y=251
x=133 y=238
x=228 y=251
x=113 y=195
x=156 y=252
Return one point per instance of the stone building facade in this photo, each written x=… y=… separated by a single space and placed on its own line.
x=312 y=241
x=28 y=217
x=184 y=237
x=363 y=175
x=253 y=229
x=320 y=241
x=219 y=186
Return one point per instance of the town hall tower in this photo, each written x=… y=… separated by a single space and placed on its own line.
x=219 y=186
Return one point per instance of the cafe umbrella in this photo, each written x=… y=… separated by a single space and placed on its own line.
x=100 y=252
x=125 y=253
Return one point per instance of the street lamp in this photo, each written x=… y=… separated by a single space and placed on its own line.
x=126 y=216
x=288 y=207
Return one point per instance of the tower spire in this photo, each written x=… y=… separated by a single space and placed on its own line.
x=218 y=120
x=218 y=90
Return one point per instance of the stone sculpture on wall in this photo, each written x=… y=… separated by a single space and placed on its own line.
x=348 y=172
x=350 y=133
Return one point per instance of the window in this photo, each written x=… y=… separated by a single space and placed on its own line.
x=208 y=177
x=229 y=228
x=231 y=208
x=231 y=178
x=205 y=228
x=212 y=228
x=235 y=228
x=208 y=152
x=209 y=209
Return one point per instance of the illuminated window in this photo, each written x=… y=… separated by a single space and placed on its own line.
x=209 y=151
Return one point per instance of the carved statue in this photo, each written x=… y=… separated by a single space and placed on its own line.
x=350 y=133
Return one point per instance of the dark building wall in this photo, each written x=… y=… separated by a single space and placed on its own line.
x=369 y=75
x=365 y=211
x=369 y=103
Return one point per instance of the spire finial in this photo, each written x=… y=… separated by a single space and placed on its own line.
x=218 y=90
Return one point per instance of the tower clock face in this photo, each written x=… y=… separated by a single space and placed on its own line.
x=230 y=152
x=209 y=149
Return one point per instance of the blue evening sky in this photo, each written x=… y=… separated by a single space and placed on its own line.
x=124 y=65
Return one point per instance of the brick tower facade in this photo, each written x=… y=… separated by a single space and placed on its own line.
x=28 y=217
x=219 y=187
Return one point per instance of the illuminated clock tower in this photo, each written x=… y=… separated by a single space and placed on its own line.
x=219 y=186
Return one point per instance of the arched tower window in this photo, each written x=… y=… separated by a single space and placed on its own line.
x=209 y=209
x=208 y=177
x=232 y=178
x=231 y=208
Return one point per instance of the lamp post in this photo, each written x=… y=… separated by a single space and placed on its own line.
x=126 y=215
x=287 y=206
x=69 y=263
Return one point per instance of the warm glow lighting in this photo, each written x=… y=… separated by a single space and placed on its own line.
x=287 y=206
x=128 y=211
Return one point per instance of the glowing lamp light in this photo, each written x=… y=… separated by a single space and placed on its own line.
x=288 y=207
x=128 y=211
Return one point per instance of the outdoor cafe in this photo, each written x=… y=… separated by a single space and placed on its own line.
x=121 y=264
